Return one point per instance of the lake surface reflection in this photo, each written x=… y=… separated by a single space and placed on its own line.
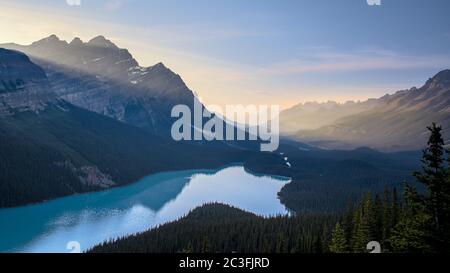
x=92 y=218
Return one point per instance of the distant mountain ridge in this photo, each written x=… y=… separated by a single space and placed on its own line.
x=313 y=115
x=391 y=123
x=101 y=77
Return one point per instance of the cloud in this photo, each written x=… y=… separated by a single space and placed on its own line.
x=73 y=2
x=364 y=60
x=225 y=81
x=114 y=4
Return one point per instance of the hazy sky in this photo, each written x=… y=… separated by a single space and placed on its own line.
x=258 y=51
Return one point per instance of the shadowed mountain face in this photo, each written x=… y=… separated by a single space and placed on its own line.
x=51 y=148
x=391 y=123
x=23 y=85
x=103 y=78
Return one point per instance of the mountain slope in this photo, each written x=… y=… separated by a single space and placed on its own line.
x=217 y=228
x=65 y=150
x=393 y=122
x=101 y=77
x=23 y=85
x=313 y=115
x=51 y=148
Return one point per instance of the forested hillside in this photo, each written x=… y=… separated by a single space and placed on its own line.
x=418 y=222
x=217 y=228
x=50 y=148
x=325 y=180
x=65 y=149
x=224 y=229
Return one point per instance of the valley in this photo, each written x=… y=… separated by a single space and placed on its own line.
x=85 y=146
x=50 y=148
x=93 y=218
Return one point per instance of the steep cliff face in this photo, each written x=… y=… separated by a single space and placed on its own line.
x=101 y=77
x=23 y=85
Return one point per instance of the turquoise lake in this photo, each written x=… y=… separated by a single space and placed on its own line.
x=92 y=218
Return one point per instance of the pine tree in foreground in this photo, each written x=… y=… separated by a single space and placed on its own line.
x=425 y=223
x=338 y=241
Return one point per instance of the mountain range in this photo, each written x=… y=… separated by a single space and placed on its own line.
x=103 y=78
x=50 y=147
x=83 y=116
x=390 y=123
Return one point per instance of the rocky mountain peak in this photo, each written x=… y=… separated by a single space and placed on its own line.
x=103 y=78
x=51 y=40
x=161 y=68
x=440 y=80
x=160 y=65
x=101 y=41
x=76 y=42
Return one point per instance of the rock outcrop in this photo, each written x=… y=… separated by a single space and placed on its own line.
x=23 y=85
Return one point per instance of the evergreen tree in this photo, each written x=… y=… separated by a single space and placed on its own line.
x=368 y=217
x=433 y=175
x=361 y=228
x=387 y=214
x=395 y=209
x=326 y=237
x=205 y=245
x=377 y=229
x=347 y=224
x=411 y=233
x=338 y=241
x=318 y=246
x=446 y=208
x=424 y=227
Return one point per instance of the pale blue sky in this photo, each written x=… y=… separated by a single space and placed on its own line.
x=259 y=51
